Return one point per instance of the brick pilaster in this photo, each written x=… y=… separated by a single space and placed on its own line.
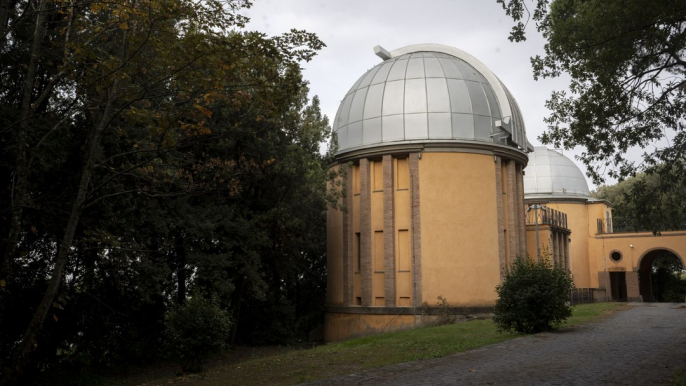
x=522 y=211
x=388 y=232
x=416 y=227
x=556 y=249
x=501 y=220
x=512 y=225
x=365 y=233
x=568 y=260
x=348 y=238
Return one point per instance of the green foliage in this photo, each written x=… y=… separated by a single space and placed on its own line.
x=201 y=150
x=534 y=297
x=627 y=80
x=647 y=202
x=194 y=330
x=667 y=279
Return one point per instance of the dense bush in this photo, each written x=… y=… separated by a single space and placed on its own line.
x=533 y=297
x=196 y=329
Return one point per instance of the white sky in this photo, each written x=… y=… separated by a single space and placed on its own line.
x=351 y=29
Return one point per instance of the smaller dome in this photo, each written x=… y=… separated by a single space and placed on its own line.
x=551 y=175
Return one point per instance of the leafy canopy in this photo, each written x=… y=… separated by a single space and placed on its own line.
x=628 y=79
x=152 y=149
x=647 y=202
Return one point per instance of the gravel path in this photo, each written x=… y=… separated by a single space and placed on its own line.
x=639 y=346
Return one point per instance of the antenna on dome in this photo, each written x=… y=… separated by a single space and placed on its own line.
x=382 y=53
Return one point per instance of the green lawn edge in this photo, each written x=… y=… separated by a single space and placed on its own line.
x=372 y=351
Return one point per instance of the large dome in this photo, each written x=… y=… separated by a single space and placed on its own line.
x=428 y=93
x=551 y=175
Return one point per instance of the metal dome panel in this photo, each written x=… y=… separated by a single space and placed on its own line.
x=550 y=174
x=428 y=92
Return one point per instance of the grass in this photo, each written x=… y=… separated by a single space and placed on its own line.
x=678 y=378
x=367 y=352
x=585 y=313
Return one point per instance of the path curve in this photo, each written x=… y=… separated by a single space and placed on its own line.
x=640 y=346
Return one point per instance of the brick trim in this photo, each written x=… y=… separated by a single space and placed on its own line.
x=348 y=238
x=516 y=208
x=522 y=210
x=568 y=262
x=501 y=218
x=389 y=232
x=416 y=227
x=366 y=233
x=512 y=224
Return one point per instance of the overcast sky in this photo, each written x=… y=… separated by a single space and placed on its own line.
x=351 y=29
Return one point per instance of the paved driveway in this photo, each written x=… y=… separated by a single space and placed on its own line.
x=639 y=346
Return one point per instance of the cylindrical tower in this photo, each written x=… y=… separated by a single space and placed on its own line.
x=431 y=148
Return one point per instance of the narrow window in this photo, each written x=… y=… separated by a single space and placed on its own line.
x=404 y=253
x=378 y=176
x=402 y=177
x=356 y=179
x=357 y=252
x=378 y=252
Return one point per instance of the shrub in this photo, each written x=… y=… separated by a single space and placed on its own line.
x=445 y=314
x=534 y=297
x=442 y=311
x=195 y=330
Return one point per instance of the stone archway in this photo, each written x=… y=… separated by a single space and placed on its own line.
x=645 y=264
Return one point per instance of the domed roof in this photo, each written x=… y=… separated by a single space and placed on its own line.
x=426 y=93
x=550 y=174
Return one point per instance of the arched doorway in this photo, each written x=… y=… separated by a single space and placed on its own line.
x=659 y=276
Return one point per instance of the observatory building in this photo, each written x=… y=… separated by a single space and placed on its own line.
x=432 y=148
x=577 y=230
x=440 y=197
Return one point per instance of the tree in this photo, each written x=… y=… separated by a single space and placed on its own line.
x=140 y=140
x=646 y=202
x=667 y=279
x=195 y=330
x=628 y=80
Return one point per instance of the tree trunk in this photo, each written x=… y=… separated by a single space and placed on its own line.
x=180 y=271
x=4 y=18
x=236 y=305
x=20 y=180
x=24 y=349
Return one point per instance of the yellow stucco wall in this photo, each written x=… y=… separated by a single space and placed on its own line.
x=459 y=226
x=603 y=245
x=590 y=251
x=578 y=222
x=544 y=234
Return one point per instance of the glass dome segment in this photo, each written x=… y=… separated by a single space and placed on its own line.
x=421 y=96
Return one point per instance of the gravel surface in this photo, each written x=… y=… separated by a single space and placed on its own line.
x=640 y=346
